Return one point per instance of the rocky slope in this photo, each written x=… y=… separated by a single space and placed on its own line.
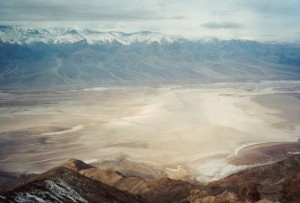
x=76 y=181
x=64 y=185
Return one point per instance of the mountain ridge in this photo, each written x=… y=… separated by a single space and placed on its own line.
x=26 y=35
x=75 y=181
x=22 y=35
x=45 y=58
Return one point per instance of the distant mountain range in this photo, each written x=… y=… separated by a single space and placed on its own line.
x=23 y=35
x=42 y=57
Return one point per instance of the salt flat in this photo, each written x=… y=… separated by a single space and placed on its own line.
x=195 y=127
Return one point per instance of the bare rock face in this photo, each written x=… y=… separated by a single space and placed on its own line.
x=250 y=193
x=270 y=179
x=291 y=189
x=64 y=185
x=76 y=181
x=76 y=165
x=196 y=196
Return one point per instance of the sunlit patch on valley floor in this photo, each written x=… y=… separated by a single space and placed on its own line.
x=186 y=130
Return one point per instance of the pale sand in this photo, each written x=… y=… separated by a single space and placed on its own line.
x=195 y=127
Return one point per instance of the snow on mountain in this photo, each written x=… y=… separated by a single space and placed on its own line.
x=102 y=58
x=23 y=35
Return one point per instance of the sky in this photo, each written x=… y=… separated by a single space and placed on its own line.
x=262 y=20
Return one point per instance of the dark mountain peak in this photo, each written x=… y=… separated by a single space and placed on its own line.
x=4 y=27
x=65 y=185
x=76 y=165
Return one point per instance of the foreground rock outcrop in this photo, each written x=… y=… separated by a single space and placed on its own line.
x=76 y=181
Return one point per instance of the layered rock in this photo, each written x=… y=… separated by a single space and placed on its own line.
x=76 y=181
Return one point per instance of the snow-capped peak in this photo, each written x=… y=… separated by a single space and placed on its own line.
x=23 y=35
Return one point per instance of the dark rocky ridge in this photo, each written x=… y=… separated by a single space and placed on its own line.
x=76 y=181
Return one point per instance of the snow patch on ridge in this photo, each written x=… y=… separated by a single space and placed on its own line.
x=62 y=189
x=23 y=35
x=57 y=190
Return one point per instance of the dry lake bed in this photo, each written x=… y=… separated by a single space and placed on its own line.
x=194 y=131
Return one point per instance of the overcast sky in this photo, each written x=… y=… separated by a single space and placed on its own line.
x=264 y=20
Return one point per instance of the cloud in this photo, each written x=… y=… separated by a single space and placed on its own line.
x=287 y=8
x=269 y=35
x=223 y=12
x=223 y=25
x=78 y=10
x=236 y=18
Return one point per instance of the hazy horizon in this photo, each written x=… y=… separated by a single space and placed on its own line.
x=234 y=19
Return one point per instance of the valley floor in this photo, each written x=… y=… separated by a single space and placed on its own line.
x=192 y=132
